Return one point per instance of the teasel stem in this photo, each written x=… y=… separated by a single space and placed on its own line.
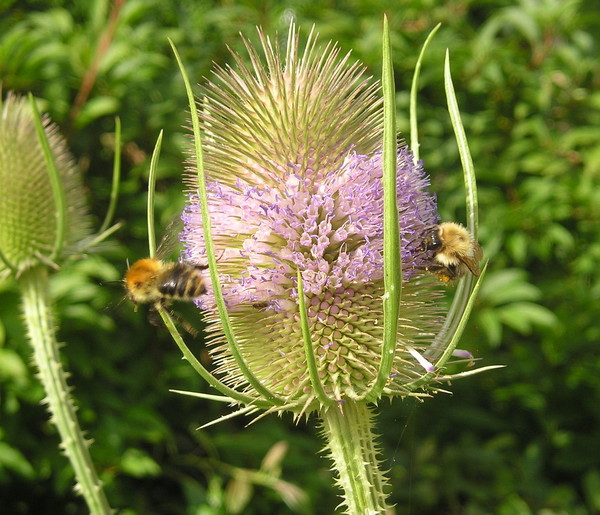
x=350 y=442
x=34 y=286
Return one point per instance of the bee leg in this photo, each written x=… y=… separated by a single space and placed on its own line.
x=444 y=273
x=154 y=318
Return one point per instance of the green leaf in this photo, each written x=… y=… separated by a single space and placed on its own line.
x=96 y=108
x=137 y=463
x=491 y=324
x=507 y=286
x=13 y=460
x=591 y=486
x=238 y=493
x=521 y=316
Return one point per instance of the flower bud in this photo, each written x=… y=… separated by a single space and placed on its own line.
x=29 y=216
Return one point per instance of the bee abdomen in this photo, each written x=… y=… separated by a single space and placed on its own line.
x=183 y=282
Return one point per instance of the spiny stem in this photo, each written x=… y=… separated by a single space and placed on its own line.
x=351 y=444
x=42 y=334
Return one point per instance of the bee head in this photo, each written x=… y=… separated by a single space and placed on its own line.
x=433 y=240
x=139 y=280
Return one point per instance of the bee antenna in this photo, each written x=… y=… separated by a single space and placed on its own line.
x=109 y=283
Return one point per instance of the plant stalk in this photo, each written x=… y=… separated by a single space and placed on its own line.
x=350 y=441
x=42 y=334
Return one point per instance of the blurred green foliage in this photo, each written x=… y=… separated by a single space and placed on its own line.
x=521 y=440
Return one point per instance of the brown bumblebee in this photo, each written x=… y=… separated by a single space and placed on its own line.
x=455 y=252
x=158 y=282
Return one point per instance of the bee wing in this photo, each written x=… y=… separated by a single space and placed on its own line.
x=170 y=240
x=472 y=262
x=155 y=320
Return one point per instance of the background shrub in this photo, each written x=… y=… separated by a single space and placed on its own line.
x=523 y=439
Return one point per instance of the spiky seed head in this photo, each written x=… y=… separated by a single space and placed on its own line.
x=28 y=216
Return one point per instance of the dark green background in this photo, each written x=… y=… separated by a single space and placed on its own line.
x=519 y=440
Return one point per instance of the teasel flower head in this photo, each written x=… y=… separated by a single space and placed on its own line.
x=293 y=161
x=34 y=228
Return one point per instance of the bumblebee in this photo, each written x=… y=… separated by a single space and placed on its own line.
x=455 y=252
x=158 y=282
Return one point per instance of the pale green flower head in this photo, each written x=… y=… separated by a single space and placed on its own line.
x=30 y=213
x=293 y=159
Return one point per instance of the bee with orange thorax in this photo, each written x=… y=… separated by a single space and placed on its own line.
x=158 y=282
x=455 y=252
